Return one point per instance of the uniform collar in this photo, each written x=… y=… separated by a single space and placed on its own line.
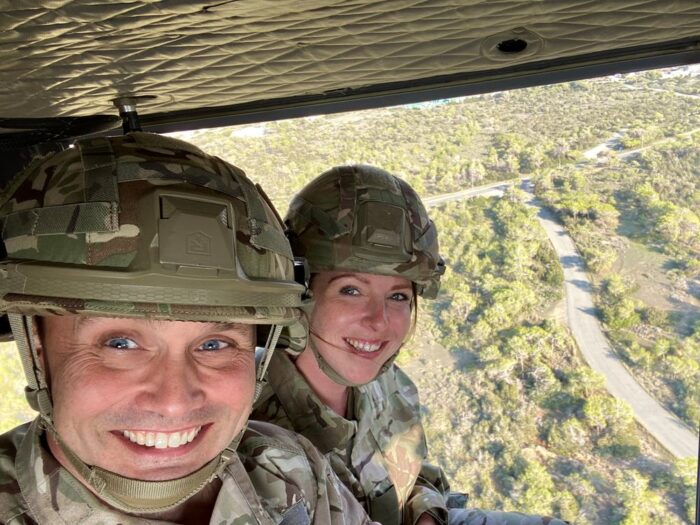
x=54 y=495
x=308 y=415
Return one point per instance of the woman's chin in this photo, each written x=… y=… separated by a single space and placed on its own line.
x=360 y=376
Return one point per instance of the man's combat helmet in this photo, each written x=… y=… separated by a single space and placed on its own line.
x=141 y=226
x=363 y=219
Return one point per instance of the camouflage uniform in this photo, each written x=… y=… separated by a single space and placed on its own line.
x=379 y=452
x=276 y=478
x=151 y=227
x=363 y=219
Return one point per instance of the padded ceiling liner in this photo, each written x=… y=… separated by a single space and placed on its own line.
x=70 y=58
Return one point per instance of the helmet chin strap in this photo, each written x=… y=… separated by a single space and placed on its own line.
x=324 y=365
x=136 y=496
x=125 y=494
x=270 y=344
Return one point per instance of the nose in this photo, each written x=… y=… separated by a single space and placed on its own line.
x=174 y=387
x=377 y=313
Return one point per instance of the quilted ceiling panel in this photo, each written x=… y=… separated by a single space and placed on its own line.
x=64 y=58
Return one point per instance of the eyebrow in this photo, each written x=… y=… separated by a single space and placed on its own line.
x=240 y=328
x=350 y=275
x=366 y=281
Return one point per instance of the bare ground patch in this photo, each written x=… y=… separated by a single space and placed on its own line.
x=649 y=270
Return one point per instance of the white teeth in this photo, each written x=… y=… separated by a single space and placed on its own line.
x=174 y=440
x=161 y=439
x=364 y=346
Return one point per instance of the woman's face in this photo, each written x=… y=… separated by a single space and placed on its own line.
x=360 y=320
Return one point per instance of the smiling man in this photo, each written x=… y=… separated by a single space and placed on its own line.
x=140 y=272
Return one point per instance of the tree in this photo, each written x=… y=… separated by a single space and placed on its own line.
x=640 y=506
x=685 y=471
x=536 y=489
x=568 y=438
x=604 y=412
x=475 y=171
x=14 y=409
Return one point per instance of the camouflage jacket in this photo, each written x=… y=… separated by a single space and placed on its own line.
x=278 y=478
x=379 y=453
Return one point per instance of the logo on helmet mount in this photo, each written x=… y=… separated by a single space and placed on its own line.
x=198 y=243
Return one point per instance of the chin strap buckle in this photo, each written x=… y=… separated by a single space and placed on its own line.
x=39 y=400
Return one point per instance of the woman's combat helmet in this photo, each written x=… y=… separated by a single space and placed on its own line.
x=363 y=219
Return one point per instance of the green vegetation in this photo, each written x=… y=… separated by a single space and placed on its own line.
x=513 y=414
x=541 y=433
x=623 y=215
x=446 y=147
x=13 y=405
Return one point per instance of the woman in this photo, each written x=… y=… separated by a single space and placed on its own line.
x=372 y=250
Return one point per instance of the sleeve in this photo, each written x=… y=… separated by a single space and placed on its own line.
x=428 y=496
x=341 y=508
x=493 y=517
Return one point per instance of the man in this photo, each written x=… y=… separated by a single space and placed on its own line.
x=139 y=273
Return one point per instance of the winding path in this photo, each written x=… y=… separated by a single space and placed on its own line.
x=664 y=426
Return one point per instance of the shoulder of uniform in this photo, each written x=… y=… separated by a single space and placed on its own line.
x=399 y=375
x=261 y=435
x=394 y=381
x=283 y=466
x=13 y=508
x=262 y=429
x=9 y=444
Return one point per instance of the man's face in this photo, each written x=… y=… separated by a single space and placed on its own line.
x=149 y=400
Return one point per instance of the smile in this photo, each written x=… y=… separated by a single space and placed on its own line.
x=364 y=346
x=162 y=439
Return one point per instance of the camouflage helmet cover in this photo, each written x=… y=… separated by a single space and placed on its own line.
x=362 y=218
x=141 y=226
x=148 y=226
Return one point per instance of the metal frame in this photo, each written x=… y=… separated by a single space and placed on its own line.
x=381 y=95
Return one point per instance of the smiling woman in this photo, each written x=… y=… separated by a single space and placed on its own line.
x=372 y=249
x=358 y=324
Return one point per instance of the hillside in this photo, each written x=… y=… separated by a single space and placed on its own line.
x=512 y=412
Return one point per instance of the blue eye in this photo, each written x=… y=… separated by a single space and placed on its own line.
x=121 y=343
x=349 y=290
x=400 y=296
x=211 y=345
